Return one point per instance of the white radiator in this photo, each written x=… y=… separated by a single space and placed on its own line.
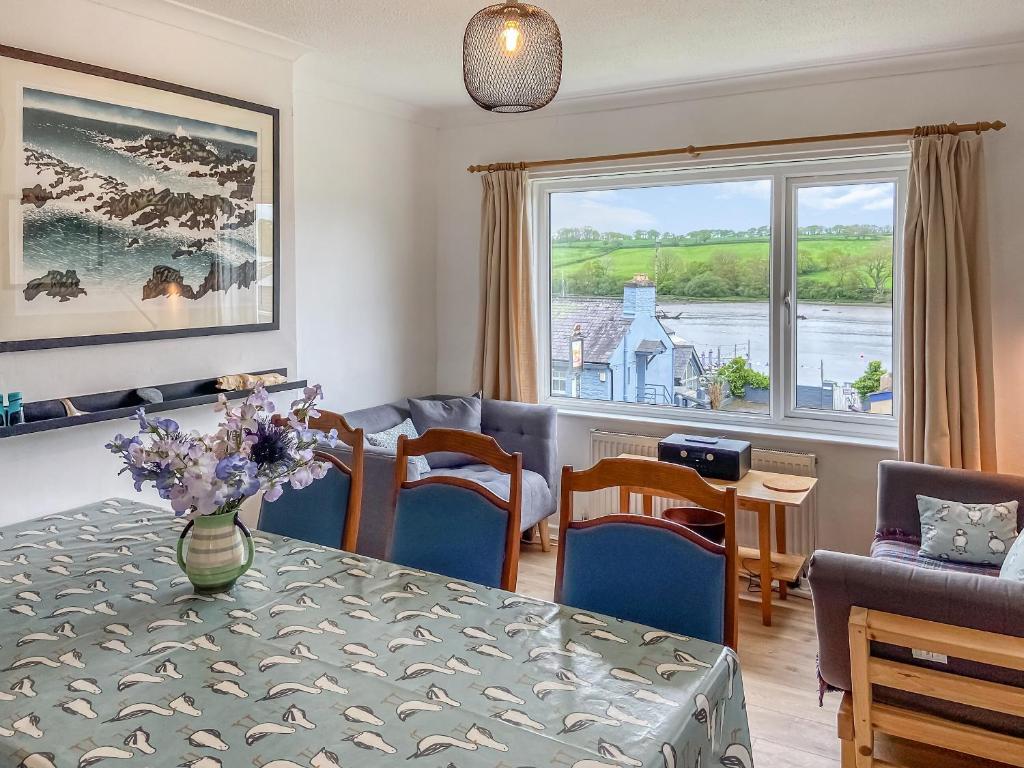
x=801 y=525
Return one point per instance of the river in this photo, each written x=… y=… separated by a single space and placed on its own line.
x=834 y=341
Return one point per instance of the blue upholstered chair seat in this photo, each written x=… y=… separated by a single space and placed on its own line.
x=647 y=575
x=473 y=547
x=316 y=514
x=538 y=502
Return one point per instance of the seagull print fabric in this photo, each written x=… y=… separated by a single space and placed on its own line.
x=318 y=659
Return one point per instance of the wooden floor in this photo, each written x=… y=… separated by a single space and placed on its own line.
x=788 y=728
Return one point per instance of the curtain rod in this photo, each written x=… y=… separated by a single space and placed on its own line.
x=921 y=130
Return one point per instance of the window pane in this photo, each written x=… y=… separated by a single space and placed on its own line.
x=659 y=295
x=844 y=287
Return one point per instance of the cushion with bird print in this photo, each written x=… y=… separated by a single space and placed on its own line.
x=388 y=440
x=967 y=533
x=1013 y=565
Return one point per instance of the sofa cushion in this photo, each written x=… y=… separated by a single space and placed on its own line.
x=966 y=533
x=537 y=504
x=456 y=413
x=1013 y=565
x=388 y=440
x=908 y=552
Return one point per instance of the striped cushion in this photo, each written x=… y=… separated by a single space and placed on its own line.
x=909 y=552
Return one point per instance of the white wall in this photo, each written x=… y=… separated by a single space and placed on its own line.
x=51 y=471
x=357 y=238
x=899 y=94
x=365 y=231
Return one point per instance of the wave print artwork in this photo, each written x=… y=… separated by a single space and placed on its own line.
x=144 y=204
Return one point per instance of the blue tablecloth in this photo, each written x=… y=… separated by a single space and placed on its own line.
x=319 y=658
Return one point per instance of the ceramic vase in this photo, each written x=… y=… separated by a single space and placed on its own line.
x=219 y=551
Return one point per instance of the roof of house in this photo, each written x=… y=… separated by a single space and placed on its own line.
x=683 y=354
x=651 y=347
x=600 y=319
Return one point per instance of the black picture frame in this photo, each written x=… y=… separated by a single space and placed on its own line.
x=47 y=60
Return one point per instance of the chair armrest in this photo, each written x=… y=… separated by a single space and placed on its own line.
x=839 y=581
x=531 y=430
x=900 y=482
x=377 y=519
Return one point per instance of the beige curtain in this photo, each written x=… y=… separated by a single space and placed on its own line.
x=507 y=354
x=947 y=392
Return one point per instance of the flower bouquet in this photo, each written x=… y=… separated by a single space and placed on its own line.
x=207 y=477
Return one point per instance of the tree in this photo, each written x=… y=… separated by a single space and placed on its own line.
x=664 y=272
x=878 y=268
x=871 y=380
x=593 y=279
x=739 y=375
x=707 y=285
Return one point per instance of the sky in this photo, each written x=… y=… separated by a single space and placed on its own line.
x=142 y=118
x=735 y=205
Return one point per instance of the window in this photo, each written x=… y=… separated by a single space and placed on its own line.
x=753 y=293
x=558 y=381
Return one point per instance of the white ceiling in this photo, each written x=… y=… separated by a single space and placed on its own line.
x=410 y=50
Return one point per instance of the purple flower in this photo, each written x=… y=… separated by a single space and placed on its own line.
x=202 y=474
x=230 y=466
x=150 y=425
x=273 y=444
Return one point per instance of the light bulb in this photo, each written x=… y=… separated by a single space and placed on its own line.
x=511 y=37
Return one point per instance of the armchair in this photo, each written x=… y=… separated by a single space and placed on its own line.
x=517 y=428
x=896 y=580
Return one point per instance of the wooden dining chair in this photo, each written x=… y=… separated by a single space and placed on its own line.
x=326 y=512
x=452 y=525
x=645 y=569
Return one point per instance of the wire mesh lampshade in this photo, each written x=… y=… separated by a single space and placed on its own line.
x=512 y=57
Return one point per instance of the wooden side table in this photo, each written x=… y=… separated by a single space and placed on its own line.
x=754 y=496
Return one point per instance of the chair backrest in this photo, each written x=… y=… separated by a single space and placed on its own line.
x=452 y=525
x=328 y=511
x=644 y=569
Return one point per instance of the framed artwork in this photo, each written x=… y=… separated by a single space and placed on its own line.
x=134 y=209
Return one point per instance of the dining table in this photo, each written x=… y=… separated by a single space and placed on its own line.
x=320 y=658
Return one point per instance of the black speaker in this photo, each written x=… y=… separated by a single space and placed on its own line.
x=712 y=457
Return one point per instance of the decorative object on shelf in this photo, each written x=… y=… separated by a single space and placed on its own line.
x=143 y=209
x=512 y=57
x=70 y=409
x=46 y=415
x=150 y=395
x=249 y=381
x=207 y=477
x=13 y=412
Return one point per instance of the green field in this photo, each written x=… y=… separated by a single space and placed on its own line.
x=829 y=269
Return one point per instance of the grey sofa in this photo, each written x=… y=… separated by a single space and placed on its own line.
x=896 y=580
x=517 y=427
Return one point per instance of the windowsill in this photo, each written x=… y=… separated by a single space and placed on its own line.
x=741 y=428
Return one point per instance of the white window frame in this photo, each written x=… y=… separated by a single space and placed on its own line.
x=564 y=378
x=787 y=174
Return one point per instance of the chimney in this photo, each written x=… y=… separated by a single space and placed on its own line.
x=638 y=297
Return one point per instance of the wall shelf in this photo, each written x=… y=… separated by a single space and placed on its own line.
x=46 y=415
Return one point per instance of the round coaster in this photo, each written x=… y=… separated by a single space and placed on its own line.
x=789 y=484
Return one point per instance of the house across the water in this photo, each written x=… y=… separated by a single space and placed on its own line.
x=627 y=355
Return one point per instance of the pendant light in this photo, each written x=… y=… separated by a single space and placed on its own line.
x=512 y=57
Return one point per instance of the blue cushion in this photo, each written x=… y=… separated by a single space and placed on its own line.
x=316 y=513
x=966 y=533
x=450 y=530
x=647 y=575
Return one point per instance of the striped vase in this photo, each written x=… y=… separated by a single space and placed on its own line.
x=219 y=551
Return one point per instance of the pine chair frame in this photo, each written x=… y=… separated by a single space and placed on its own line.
x=673 y=481
x=484 y=449
x=861 y=717
x=354 y=439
